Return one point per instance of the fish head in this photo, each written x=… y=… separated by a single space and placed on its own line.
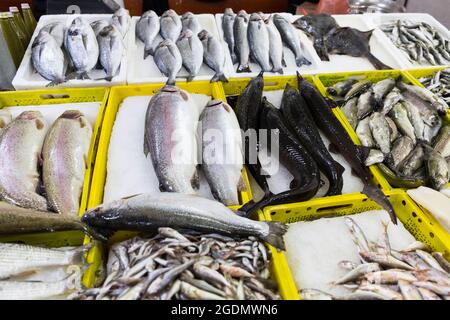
x=169 y=13
x=255 y=17
x=30 y=115
x=204 y=34
x=187 y=15
x=186 y=34
x=229 y=11
x=165 y=43
x=149 y=14
x=218 y=104
x=242 y=13
x=109 y=31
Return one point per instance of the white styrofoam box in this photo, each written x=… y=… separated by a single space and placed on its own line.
x=146 y=71
x=341 y=63
x=290 y=69
x=377 y=20
x=27 y=78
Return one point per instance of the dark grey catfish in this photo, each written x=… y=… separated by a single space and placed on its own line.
x=297 y=114
x=352 y=42
x=335 y=132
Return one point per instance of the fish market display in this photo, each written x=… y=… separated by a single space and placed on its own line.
x=64 y=157
x=20 y=146
x=59 y=54
x=404 y=123
x=144 y=212
x=420 y=42
x=170 y=138
x=222 y=152
x=439 y=84
x=329 y=38
x=213 y=55
x=192 y=266
x=413 y=273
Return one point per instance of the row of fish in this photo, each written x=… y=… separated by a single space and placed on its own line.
x=439 y=84
x=172 y=125
x=402 y=127
x=59 y=54
x=184 y=44
x=260 y=38
x=413 y=273
x=29 y=273
x=301 y=149
x=41 y=167
x=422 y=43
x=186 y=266
x=328 y=38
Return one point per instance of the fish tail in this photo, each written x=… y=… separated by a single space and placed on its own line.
x=171 y=81
x=378 y=196
x=243 y=68
x=377 y=63
x=147 y=53
x=190 y=77
x=301 y=60
x=279 y=70
x=219 y=77
x=233 y=57
x=109 y=78
x=275 y=235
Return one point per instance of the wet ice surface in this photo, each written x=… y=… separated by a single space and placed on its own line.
x=279 y=180
x=129 y=171
x=315 y=248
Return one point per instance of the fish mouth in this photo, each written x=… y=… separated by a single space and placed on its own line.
x=30 y=115
x=203 y=34
x=71 y=114
x=214 y=103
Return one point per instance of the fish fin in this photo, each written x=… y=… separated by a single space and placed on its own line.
x=339 y=168
x=219 y=77
x=275 y=234
x=189 y=78
x=195 y=180
x=283 y=62
x=55 y=83
x=146 y=148
x=294 y=184
x=379 y=197
x=333 y=149
x=108 y=78
x=300 y=61
x=367 y=34
x=243 y=68
x=242 y=187
x=377 y=63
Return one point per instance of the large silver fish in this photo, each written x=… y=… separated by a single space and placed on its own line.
x=290 y=38
x=191 y=50
x=147 y=29
x=170 y=138
x=111 y=46
x=82 y=47
x=258 y=38
x=48 y=58
x=213 y=55
x=64 y=158
x=241 y=46
x=121 y=20
x=190 y=22
x=168 y=59
x=20 y=148
x=170 y=25
x=147 y=212
x=275 y=47
x=222 y=152
x=227 y=27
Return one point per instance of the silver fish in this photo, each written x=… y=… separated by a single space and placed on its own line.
x=168 y=59
x=228 y=33
x=111 y=51
x=375 y=156
x=381 y=89
x=170 y=25
x=350 y=110
x=121 y=20
x=190 y=22
x=258 y=38
x=20 y=146
x=442 y=143
x=191 y=50
x=364 y=134
x=392 y=129
x=400 y=116
x=366 y=104
x=413 y=162
x=57 y=30
x=275 y=47
x=314 y=294
x=380 y=131
x=358 y=272
x=438 y=170
x=290 y=38
x=147 y=29
x=241 y=44
x=415 y=119
x=193 y=292
x=392 y=98
x=428 y=294
x=385 y=260
x=149 y=211
x=64 y=157
x=401 y=148
x=48 y=58
x=82 y=47
x=213 y=55
x=391 y=276
x=422 y=93
x=222 y=157
x=356 y=89
x=409 y=291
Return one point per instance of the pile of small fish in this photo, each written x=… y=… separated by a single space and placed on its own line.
x=301 y=149
x=182 y=42
x=188 y=266
x=414 y=273
x=401 y=125
x=260 y=38
x=60 y=54
x=439 y=84
x=25 y=271
x=329 y=38
x=422 y=43
x=42 y=168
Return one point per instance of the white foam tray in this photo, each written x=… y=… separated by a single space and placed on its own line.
x=146 y=71
x=289 y=57
x=376 y=20
x=378 y=47
x=27 y=78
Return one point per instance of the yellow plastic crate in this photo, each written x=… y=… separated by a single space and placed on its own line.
x=421 y=225
x=326 y=80
x=118 y=94
x=51 y=97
